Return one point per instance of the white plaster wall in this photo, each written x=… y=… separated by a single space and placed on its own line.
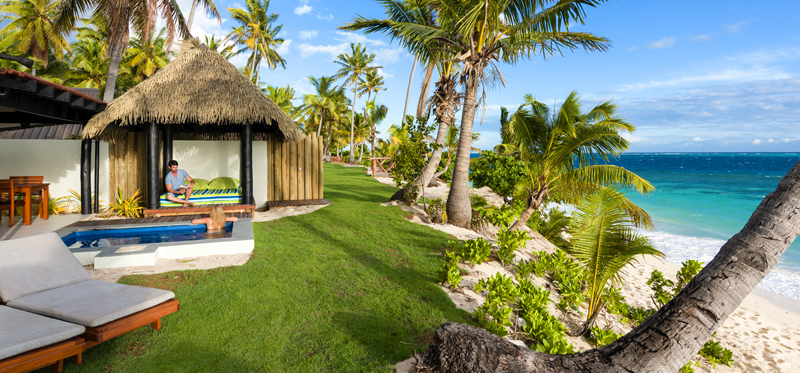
x=211 y=159
x=59 y=161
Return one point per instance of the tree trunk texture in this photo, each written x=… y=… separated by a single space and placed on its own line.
x=327 y=151
x=423 y=104
x=408 y=91
x=534 y=202
x=459 y=210
x=191 y=16
x=665 y=341
x=24 y=61
x=352 y=127
x=321 y=119
x=117 y=48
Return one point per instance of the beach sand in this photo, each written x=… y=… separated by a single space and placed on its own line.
x=763 y=333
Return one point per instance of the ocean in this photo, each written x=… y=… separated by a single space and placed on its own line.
x=702 y=199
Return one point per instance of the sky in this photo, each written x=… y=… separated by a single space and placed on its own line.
x=692 y=76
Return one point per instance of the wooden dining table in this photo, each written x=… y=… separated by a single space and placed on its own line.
x=28 y=189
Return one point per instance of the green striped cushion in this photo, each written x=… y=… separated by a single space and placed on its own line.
x=208 y=197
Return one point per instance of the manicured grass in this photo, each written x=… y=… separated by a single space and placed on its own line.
x=348 y=288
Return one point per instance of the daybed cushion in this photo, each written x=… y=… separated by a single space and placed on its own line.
x=223 y=182
x=92 y=303
x=37 y=263
x=22 y=331
x=208 y=197
x=200 y=184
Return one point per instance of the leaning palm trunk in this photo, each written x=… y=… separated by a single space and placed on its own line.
x=459 y=210
x=327 y=151
x=352 y=127
x=533 y=204
x=321 y=119
x=191 y=15
x=408 y=91
x=665 y=341
x=115 y=53
x=423 y=94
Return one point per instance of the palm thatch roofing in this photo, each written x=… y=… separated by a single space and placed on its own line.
x=199 y=88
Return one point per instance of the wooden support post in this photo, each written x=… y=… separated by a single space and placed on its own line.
x=153 y=181
x=247 y=164
x=86 y=180
x=167 y=149
x=96 y=176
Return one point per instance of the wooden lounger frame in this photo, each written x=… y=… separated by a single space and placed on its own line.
x=95 y=336
x=44 y=356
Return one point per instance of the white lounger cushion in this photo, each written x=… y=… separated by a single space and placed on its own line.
x=92 y=303
x=22 y=331
x=37 y=263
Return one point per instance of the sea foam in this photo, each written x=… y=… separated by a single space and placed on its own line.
x=681 y=248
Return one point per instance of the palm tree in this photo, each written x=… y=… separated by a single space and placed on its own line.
x=257 y=32
x=31 y=30
x=374 y=114
x=403 y=16
x=281 y=96
x=120 y=15
x=603 y=242
x=336 y=118
x=211 y=9
x=147 y=55
x=563 y=154
x=478 y=33
x=352 y=66
x=89 y=64
x=216 y=45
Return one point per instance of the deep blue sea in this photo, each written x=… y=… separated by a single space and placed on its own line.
x=702 y=199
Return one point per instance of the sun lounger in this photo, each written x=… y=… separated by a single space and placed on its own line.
x=29 y=341
x=38 y=274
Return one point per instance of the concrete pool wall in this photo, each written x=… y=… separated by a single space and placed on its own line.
x=240 y=242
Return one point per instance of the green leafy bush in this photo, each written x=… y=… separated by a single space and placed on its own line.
x=449 y=272
x=476 y=251
x=716 y=354
x=689 y=269
x=551 y=225
x=601 y=337
x=128 y=208
x=436 y=210
x=498 y=216
x=499 y=172
x=662 y=288
x=508 y=243
x=495 y=313
x=524 y=268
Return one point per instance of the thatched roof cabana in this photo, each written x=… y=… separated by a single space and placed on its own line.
x=198 y=91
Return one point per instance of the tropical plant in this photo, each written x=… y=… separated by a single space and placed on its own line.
x=479 y=32
x=351 y=67
x=218 y=46
x=315 y=107
x=145 y=56
x=31 y=30
x=551 y=224
x=57 y=206
x=716 y=354
x=508 y=242
x=567 y=153
x=604 y=243
x=281 y=96
x=258 y=33
x=375 y=114
x=90 y=64
x=449 y=272
x=129 y=207
x=500 y=173
x=601 y=337
x=120 y=16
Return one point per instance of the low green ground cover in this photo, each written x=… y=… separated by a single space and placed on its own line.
x=351 y=287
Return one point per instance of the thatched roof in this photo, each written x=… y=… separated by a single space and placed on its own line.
x=199 y=87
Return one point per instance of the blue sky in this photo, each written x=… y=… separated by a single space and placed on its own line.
x=690 y=75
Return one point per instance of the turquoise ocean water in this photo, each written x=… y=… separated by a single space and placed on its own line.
x=702 y=199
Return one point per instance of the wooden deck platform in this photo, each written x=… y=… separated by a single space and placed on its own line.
x=204 y=209
x=162 y=219
x=299 y=202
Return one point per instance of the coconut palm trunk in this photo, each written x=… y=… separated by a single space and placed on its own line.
x=423 y=93
x=191 y=14
x=459 y=210
x=408 y=91
x=115 y=53
x=327 y=150
x=665 y=341
x=352 y=127
x=321 y=119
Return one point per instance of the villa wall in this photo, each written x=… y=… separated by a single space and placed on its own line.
x=210 y=159
x=59 y=161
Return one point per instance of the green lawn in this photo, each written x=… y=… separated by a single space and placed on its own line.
x=350 y=287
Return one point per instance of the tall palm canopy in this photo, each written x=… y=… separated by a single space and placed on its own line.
x=352 y=67
x=120 y=15
x=478 y=34
x=31 y=30
x=567 y=153
x=257 y=32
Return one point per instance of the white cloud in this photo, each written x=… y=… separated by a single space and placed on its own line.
x=732 y=74
x=701 y=38
x=757 y=142
x=350 y=37
x=303 y=9
x=334 y=50
x=736 y=27
x=308 y=34
x=388 y=55
x=384 y=74
x=321 y=17
x=284 y=47
x=663 y=43
x=698 y=139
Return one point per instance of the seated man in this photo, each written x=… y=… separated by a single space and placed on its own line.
x=175 y=180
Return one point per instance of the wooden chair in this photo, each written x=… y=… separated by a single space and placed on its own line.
x=35 y=199
x=7 y=200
